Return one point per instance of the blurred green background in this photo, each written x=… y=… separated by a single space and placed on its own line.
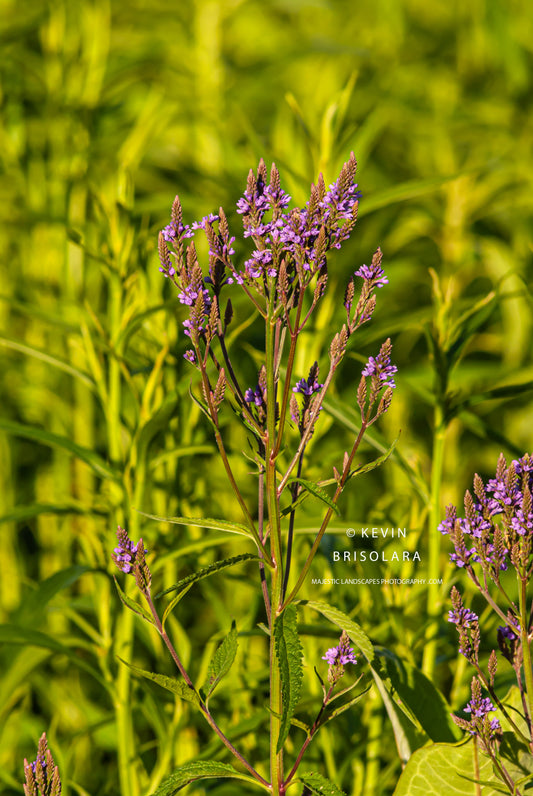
x=108 y=109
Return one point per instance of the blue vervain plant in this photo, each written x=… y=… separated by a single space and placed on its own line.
x=284 y=279
x=492 y=542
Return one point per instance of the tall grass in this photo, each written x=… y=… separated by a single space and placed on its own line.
x=110 y=108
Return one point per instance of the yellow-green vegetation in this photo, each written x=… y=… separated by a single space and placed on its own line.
x=108 y=109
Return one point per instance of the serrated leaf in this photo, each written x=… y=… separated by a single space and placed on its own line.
x=132 y=605
x=319 y=784
x=289 y=655
x=316 y=490
x=199 y=770
x=343 y=621
x=95 y=462
x=222 y=660
x=203 y=522
x=177 y=687
x=446 y=768
x=206 y=571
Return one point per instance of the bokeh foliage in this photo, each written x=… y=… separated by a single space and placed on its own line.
x=107 y=110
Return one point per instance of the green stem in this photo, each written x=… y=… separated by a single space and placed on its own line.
x=526 y=651
x=327 y=516
x=127 y=758
x=434 y=606
x=276 y=758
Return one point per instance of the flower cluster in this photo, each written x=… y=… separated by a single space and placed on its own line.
x=497 y=529
x=129 y=558
x=495 y=534
x=486 y=729
x=338 y=657
x=467 y=624
x=381 y=372
x=290 y=246
x=307 y=388
x=42 y=775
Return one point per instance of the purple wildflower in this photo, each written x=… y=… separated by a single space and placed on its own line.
x=479 y=708
x=310 y=385
x=126 y=553
x=462 y=616
x=380 y=367
x=373 y=274
x=42 y=775
x=252 y=396
x=190 y=356
x=340 y=654
x=337 y=657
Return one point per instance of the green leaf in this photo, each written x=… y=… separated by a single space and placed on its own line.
x=49 y=360
x=319 y=784
x=347 y=705
x=177 y=687
x=222 y=660
x=95 y=462
x=35 y=602
x=199 y=770
x=316 y=490
x=26 y=636
x=206 y=571
x=407 y=737
x=13 y=634
x=132 y=605
x=289 y=654
x=418 y=697
x=410 y=189
x=203 y=522
x=30 y=510
x=354 y=631
x=367 y=468
x=446 y=768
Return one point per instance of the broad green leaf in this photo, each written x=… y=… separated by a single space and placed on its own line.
x=134 y=606
x=418 y=696
x=206 y=571
x=316 y=490
x=178 y=687
x=319 y=784
x=203 y=522
x=289 y=654
x=222 y=660
x=447 y=769
x=354 y=631
x=407 y=737
x=95 y=462
x=200 y=770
